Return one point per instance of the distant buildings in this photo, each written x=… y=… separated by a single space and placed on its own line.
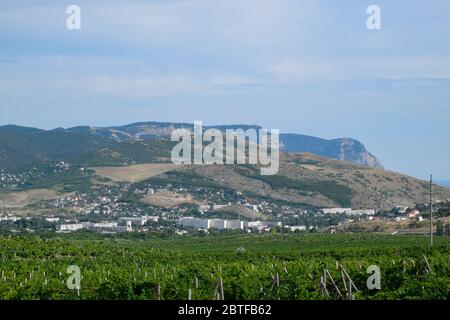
x=222 y=224
x=123 y=224
x=137 y=221
x=413 y=213
x=296 y=228
x=367 y=212
x=69 y=227
x=218 y=224
x=235 y=224
x=349 y=211
x=194 y=222
x=336 y=210
x=9 y=218
x=401 y=209
x=99 y=226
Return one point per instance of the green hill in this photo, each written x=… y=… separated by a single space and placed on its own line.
x=21 y=147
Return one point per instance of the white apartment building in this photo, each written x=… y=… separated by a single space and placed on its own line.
x=222 y=224
x=87 y=225
x=252 y=224
x=349 y=211
x=70 y=227
x=217 y=224
x=137 y=221
x=337 y=210
x=103 y=225
x=368 y=212
x=235 y=224
x=295 y=228
x=194 y=222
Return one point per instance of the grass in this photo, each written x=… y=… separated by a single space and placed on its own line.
x=134 y=173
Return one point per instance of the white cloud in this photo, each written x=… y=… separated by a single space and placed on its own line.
x=170 y=47
x=346 y=69
x=142 y=86
x=297 y=70
x=233 y=82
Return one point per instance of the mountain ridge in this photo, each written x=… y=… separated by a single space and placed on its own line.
x=347 y=149
x=21 y=146
x=303 y=178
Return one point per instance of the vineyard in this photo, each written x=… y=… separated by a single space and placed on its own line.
x=225 y=267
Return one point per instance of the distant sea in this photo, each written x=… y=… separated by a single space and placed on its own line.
x=444 y=183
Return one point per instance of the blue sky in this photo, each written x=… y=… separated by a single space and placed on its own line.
x=308 y=67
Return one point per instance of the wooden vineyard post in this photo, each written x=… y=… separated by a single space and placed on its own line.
x=328 y=274
x=275 y=280
x=190 y=294
x=350 y=287
x=218 y=290
x=348 y=277
x=158 y=292
x=321 y=286
x=428 y=265
x=343 y=280
x=221 y=287
x=346 y=280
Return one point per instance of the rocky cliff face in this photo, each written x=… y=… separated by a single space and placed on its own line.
x=345 y=149
x=354 y=151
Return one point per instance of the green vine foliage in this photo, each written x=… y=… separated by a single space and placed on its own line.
x=35 y=268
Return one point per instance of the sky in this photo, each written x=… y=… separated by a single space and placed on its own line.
x=301 y=66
